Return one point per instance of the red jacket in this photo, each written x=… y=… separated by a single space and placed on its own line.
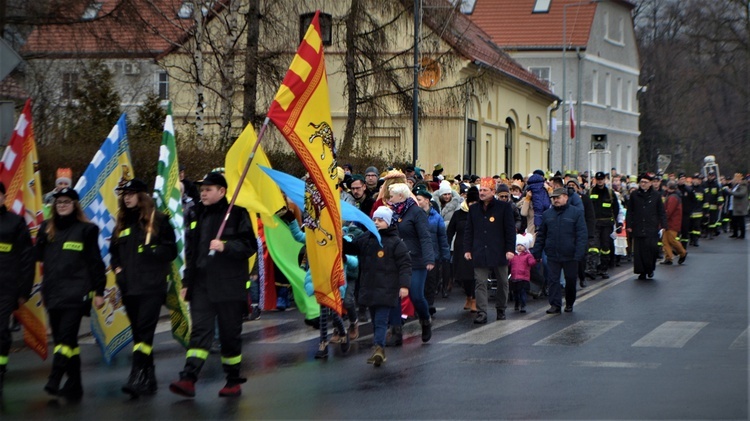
x=673 y=209
x=520 y=266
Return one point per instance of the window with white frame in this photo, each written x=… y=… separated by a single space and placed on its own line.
x=621 y=30
x=595 y=87
x=541 y=72
x=608 y=89
x=162 y=85
x=326 y=28
x=629 y=95
x=618 y=93
x=542 y=6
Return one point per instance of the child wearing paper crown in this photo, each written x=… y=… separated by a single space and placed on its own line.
x=385 y=275
x=520 y=271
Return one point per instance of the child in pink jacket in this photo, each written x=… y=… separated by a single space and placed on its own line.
x=520 y=271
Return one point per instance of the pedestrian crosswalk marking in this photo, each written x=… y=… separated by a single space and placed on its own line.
x=671 y=335
x=614 y=364
x=740 y=342
x=490 y=332
x=579 y=333
x=503 y=361
x=412 y=330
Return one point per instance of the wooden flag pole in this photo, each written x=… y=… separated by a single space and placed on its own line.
x=239 y=183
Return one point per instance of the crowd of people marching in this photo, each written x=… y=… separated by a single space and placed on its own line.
x=540 y=235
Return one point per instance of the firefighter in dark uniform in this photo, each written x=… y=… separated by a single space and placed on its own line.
x=696 y=214
x=74 y=274
x=215 y=281
x=712 y=203
x=687 y=196
x=143 y=245
x=606 y=209
x=16 y=275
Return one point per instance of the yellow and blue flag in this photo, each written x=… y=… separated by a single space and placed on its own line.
x=109 y=168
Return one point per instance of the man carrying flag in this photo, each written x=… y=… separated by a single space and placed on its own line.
x=215 y=279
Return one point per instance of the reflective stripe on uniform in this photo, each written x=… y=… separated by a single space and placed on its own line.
x=193 y=225
x=231 y=360
x=606 y=205
x=64 y=350
x=125 y=232
x=73 y=246
x=197 y=353
x=75 y=351
x=143 y=348
x=605 y=251
x=593 y=250
x=3 y=360
x=6 y=247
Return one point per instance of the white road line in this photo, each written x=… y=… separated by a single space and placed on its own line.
x=671 y=335
x=740 y=342
x=490 y=332
x=579 y=333
x=503 y=361
x=614 y=364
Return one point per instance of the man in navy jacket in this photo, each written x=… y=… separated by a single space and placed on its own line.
x=563 y=237
x=490 y=241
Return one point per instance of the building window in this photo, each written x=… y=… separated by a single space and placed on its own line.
x=91 y=11
x=618 y=93
x=325 y=26
x=466 y=6
x=605 y=18
x=621 y=30
x=69 y=86
x=509 y=134
x=541 y=72
x=629 y=95
x=471 y=146
x=162 y=85
x=541 y=6
x=608 y=90
x=595 y=87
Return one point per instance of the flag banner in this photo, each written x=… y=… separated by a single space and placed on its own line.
x=301 y=111
x=19 y=172
x=285 y=252
x=295 y=191
x=572 y=120
x=168 y=200
x=109 y=168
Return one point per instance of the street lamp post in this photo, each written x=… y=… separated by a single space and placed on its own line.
x=564 y=77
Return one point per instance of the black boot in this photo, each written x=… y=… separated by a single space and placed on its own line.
x=2 y=379
x=131 y=385
x=59 y=365
x=397 y=337
x=426 y=329
x=73 y=389
x=149 y=384
x=137 y=378
x=234 y=380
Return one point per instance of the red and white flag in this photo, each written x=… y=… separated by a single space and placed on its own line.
x=572 y=120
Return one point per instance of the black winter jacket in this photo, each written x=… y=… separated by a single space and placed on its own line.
x=72 y=263
x=382 y=270
x=646 y=213
x=414 y=229
x=144 y=268
x=563 y=235
x=16 y=256
x=490 y=233
x=224 y=276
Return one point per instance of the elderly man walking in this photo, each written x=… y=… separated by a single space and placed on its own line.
x=563 y=237
x=490 y=241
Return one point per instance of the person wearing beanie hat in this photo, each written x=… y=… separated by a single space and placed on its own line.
x=447 y=201
x=384 y=276
x=68 y=247
x=489 y=243
x=520 y=271
x=371 y=181
x=16 y=275
x=462 y=269
x=64 y=179
x=143 y=246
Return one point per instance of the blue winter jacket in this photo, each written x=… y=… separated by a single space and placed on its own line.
x=539 y=197
x=438 y=235
x=562 y=235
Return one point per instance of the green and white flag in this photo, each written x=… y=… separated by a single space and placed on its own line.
x=169 y=201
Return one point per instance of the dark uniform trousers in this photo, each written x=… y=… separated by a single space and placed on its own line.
x=143 y=313
x=7 y=304
x=205 y=314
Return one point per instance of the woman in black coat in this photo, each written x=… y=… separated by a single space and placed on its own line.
x=143 y=246
x=644 y=219
x=463 y=270
x=68 y=247
x=414 y=229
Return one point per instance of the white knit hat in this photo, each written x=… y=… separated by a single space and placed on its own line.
x=523 y=240
x=445 y=188
x=384 y=213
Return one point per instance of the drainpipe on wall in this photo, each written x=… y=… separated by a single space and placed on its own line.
x=549 y=118
x=579 y=116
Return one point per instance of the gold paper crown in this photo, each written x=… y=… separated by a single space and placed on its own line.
x=487 y=182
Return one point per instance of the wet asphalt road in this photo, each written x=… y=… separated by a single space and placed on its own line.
x=675 y=347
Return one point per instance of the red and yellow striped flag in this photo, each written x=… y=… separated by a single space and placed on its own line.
x=301 y=111
x=19 y=171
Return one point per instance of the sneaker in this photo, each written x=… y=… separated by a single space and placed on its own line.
x=568 y=309
x=553 y=310
x=480 y=319
x=650 y=275
x=378 y=357
x=642 y=276
x=354 y=331
x=682 y=259
x=322 y=351
x=501 y=315
x=255 y=314
x=183 y=387
x=666 y=262
x=230 y=390
x=336 y=338
x=523 y=310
